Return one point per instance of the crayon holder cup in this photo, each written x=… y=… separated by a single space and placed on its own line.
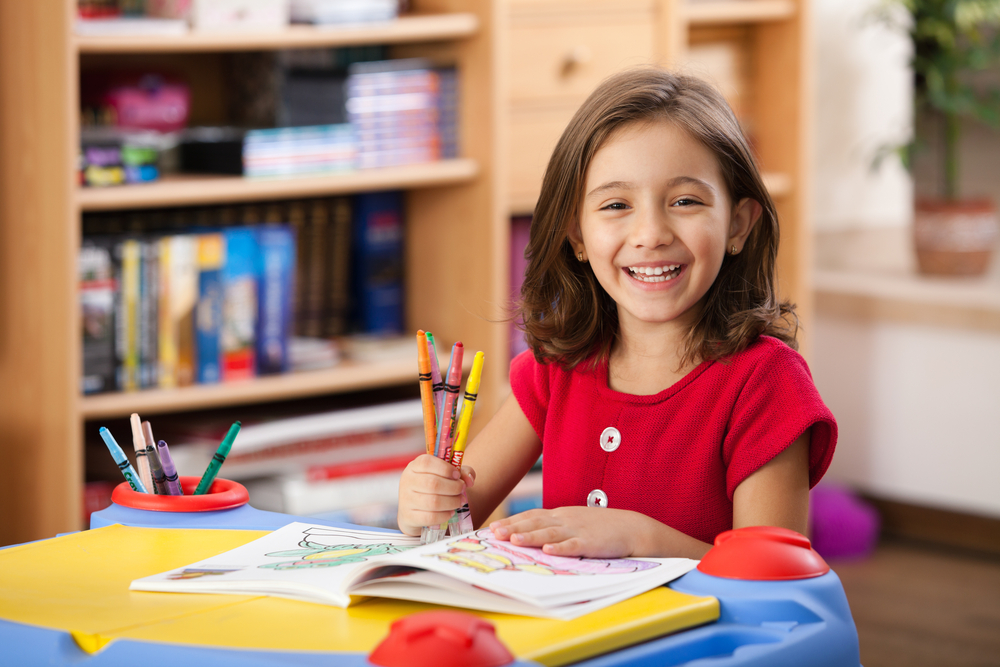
x=224 y=494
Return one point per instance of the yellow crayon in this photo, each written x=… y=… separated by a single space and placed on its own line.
x=471 y=393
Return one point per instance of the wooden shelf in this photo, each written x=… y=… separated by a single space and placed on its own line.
x=413 y=28
x=347 y=376
x=188 y=189
x=710 y=12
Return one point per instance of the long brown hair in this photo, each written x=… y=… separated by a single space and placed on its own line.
x=566 y=315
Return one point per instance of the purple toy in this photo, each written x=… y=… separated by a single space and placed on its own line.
x=841 y=524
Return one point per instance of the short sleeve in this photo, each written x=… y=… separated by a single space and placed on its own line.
x=529 y=382
x=777 y=404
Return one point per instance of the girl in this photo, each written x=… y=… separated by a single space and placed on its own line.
x=661 y=384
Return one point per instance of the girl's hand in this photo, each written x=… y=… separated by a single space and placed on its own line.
x=430 y=490
x=597 y=532
x=593 y=532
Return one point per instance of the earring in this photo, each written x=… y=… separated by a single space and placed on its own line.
x=579 y=256
x=733 y=250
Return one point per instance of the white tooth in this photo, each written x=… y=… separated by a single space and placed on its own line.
x=659 y=270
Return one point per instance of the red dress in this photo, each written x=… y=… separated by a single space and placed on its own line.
x=679 y=455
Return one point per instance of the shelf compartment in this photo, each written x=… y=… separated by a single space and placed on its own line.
x=344 y=377
x=410 y=28
x=737 y=11
x=196 y=189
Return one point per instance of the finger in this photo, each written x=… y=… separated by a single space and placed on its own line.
x=539 y=537
x=524 y=521
x=432 y=465
x=572 y=546
x=468 y=476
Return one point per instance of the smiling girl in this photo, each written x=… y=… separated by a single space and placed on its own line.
x=662 y=384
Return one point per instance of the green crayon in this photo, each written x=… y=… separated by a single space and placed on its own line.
x=217 y=460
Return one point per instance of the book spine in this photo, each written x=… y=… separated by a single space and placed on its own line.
x=277 y=282
x=297 y=221
x=378 y=254
x=338 y=269
x=239 y=305
x=167 y=339
x=97 y=305
x=317 y=231
x=208 y=314
x=131 y=253
x=149 y=301
x=184 y=297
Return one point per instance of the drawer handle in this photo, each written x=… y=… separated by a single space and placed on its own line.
x=575 y=57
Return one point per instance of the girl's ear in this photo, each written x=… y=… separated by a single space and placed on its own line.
x=745 y=215
x=575 y=237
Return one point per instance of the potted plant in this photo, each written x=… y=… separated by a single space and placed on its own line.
x=951 y=40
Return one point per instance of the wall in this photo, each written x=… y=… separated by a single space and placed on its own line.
x=917 y=397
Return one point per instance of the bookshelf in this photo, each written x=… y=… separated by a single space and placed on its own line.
x=451 y=206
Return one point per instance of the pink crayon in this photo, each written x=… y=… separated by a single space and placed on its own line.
x=452 y=385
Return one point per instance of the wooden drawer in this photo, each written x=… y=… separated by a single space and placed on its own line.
x=560 y=53
x=533 y=136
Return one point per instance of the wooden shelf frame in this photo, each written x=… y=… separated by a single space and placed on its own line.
x=405 y=29
x=737 y=11
x=189 y=190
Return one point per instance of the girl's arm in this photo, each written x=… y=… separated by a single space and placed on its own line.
x=777 y=494
x=430 y=489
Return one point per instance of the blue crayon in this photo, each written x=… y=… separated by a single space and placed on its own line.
x=169 y=470
x=119 y=456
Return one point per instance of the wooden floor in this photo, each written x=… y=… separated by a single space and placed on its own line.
x=923 y=606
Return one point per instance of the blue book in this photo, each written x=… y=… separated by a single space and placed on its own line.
x=378 y=262
x=208 y=312
x=276 y=289
x=238 y=337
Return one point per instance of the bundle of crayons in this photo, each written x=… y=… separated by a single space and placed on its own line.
x=446 y=426
x=157 y=473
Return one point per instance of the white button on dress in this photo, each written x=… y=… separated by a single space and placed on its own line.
x=610 y=439
x=597 y=498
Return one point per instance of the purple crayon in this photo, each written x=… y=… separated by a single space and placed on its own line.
x=169 y=471
x=436 y=374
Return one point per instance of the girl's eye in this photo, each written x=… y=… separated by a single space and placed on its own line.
x=615 y=206
x=686 y=201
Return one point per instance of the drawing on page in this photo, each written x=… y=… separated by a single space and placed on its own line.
x=329 y=547
x=483 y=553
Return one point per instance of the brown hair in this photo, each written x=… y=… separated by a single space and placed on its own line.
x=565 y=313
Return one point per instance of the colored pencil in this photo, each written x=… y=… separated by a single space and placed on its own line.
x=217 y=460
x=461 y=523
x=426 y=392
x=435 y=374
x=139 y=443
x=131 y=476
x=446 y=420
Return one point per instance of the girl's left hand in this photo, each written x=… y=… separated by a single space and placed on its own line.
x=593 y=532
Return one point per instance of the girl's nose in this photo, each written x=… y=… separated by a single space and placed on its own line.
x=650 y=229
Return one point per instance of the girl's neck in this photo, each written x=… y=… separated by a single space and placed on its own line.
x=648 y=360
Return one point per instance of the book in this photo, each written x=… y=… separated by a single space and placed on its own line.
x=208 y=315
x=149 y=304
x=239 y=305
x=338 y=269
x=292 y=444
x=183 y=280
x=97 y=304
x=341 y=566
x=276 y=273
x=129 y=256
x=378 y=262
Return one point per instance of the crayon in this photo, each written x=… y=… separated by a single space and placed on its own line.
x=461 y=523
x=155 y=468
x=131 y=476
x=217 y=460
x=173 y=484
x=435 y=374
x=426 y=391
x=139 y=443
x=446 y=420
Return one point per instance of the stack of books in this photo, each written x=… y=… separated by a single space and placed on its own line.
x=293 y=151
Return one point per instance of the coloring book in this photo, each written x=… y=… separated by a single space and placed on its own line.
x=338 y=566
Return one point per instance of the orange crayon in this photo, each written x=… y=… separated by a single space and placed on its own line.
x=426 y=391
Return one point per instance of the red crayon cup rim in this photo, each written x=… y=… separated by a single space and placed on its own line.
x=224 y=494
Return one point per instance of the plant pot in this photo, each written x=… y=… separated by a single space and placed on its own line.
x=954 y=238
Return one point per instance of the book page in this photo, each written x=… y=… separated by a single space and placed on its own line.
x=527 y=574
x=300 y=561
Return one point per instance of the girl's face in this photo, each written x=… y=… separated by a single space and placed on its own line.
x=656 y=222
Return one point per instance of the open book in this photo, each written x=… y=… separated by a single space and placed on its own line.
x=338 y=566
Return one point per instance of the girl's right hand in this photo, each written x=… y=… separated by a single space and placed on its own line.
x=430 y=490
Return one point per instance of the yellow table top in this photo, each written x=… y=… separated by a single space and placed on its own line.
x=79 y=583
